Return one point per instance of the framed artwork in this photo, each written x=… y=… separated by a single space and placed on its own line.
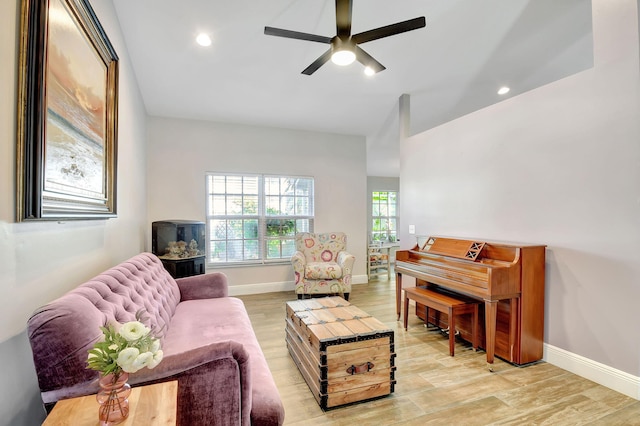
x=67 y=114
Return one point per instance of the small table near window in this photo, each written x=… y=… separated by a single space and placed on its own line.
x=379 y=259
x=151 y=404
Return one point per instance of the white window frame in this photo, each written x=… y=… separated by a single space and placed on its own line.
x=265 y=241
x=377 y=234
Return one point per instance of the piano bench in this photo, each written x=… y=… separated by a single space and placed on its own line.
x=448 y=303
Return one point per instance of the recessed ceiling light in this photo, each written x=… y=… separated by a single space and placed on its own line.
x=503 y=90
x=203 y=39
x=369 y=71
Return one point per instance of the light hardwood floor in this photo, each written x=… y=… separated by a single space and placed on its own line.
x=434 y=388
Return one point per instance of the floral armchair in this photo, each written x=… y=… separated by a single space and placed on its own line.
x=321 y=264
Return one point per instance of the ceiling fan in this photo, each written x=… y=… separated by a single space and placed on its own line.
x=344 y=46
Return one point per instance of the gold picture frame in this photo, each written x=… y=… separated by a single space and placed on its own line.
x=67 y=114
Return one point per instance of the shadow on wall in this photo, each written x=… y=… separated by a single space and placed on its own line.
x=19 y=391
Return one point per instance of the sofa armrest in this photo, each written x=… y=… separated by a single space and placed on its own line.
x=346 y=261
x=225 y=364
x=205 y=286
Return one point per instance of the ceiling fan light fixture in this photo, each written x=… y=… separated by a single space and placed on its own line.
x=343 y=51
x=203 y=39
x=343 y=57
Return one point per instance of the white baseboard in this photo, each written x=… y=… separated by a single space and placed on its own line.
x=239 y=290
x=604 y=375
x=359 y=279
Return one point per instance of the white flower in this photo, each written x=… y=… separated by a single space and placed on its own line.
x=141 y=361
x=129 y=368
x=157 y=357
x=126 y=357
x=126 y=347
x=133 y=330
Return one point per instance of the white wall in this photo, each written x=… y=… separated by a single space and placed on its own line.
x=559 y=165
x=383 y=151
x=182 y=151
x=42 y=260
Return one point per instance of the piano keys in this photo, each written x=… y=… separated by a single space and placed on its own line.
x=508 y=278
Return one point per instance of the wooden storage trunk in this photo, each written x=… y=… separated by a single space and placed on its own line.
x=344 y=354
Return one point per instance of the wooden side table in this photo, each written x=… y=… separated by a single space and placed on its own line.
x=152 y=404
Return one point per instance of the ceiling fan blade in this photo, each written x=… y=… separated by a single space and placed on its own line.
x=389 y=30
x=279 y=32
x=317 y=63
x=343 y=18
x=368 y=61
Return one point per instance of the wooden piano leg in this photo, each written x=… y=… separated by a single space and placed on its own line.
x=406 y=311
x=452 y=332
x=474 y=328
x=398 y=293
x=513 y=328
x=490 y=314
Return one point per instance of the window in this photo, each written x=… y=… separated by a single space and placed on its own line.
x=383 y=212
x=254 y=218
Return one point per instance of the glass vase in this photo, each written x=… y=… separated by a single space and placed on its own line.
x=113 y=398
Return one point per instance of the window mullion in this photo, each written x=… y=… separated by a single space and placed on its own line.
x=261 y=219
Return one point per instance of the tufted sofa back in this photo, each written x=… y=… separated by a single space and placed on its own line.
x=140 y=283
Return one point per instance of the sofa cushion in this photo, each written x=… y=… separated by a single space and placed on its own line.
x=205 y=321
x=322 y=271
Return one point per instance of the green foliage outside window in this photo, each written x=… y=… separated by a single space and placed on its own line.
x=383 y=212
x=239 y=232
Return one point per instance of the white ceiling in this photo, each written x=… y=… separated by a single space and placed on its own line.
x=453 y=66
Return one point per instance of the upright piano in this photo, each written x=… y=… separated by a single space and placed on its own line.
x=509 y=278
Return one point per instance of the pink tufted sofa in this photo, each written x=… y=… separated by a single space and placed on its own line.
x=209 y=345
